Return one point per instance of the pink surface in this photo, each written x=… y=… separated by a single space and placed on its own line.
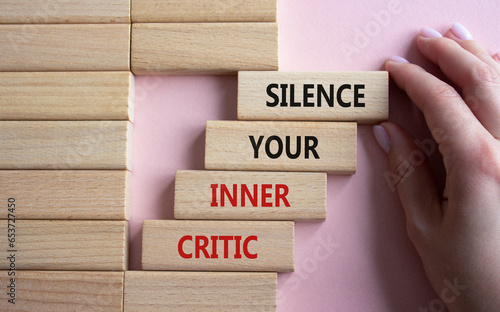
x=360 y=259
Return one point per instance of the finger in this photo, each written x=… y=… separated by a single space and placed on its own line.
x=411 y=176
x=479 y=81
x=459 y=65
x=496 y=56
x=462 y=36
x=449 y=119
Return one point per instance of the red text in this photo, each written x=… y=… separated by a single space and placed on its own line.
x=223 y=196
x=206 y=247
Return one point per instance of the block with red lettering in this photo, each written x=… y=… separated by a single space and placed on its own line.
x=324 y=96
x=250 y=195
x=175 y=245
x=281 y=146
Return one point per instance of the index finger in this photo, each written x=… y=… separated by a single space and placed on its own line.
x=450 y=120
x=479 y=80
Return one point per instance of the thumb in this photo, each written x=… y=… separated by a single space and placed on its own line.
x=411 y=176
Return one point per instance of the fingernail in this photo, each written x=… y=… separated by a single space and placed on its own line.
x=460 y=31
x=398 y=59
x=382 y=137
x=430 y=33
x=497 y=55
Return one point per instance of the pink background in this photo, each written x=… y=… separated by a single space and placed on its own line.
x=360 y=259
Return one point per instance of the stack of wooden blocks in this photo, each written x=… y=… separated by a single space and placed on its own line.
x=234 y=225
x=209 y=37
x=65 y=154
x=65 y=114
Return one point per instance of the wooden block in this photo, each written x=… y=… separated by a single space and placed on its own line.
x=75 y=194
x=239 y=195
x=324 y=96
x=62 y=291
x=201 y=11
x=63 y=245
x=65 y=11
x=65 y=144
x=271 y=145
x=174 y=245
x=65 y=47
x=67 y=96
x=203 y=48
x=195 y=291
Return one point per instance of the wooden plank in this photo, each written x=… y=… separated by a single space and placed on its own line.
x=65 y=144
x=239 y=195
x=64 y=245
x=65 y=47
x=67 y=96
x=65 y=11
x=174 y=245
x=62 y=291
x=314 y=96
x=202 y=11
x=194 y=291
x=263 y=145
x=203 y=48
x=74 y=194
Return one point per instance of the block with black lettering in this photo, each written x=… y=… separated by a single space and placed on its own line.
x=250 y=195
x=314 y=96
x=281 y=146
x=175 y=245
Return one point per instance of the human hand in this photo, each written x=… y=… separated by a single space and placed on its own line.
x=457 y=233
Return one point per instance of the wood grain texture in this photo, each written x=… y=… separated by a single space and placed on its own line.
x=203 y=48
x=201 y=11
x=229 y=146
x=64 y=291
x=67 y=96
x=67 y=245
x=373 y=86
x=73 y=194
x=65 y=47
x=65 y=11
x=259 y=195
x=199 y=291
x=65 y=144
x=194 y=291
x=162 y=241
